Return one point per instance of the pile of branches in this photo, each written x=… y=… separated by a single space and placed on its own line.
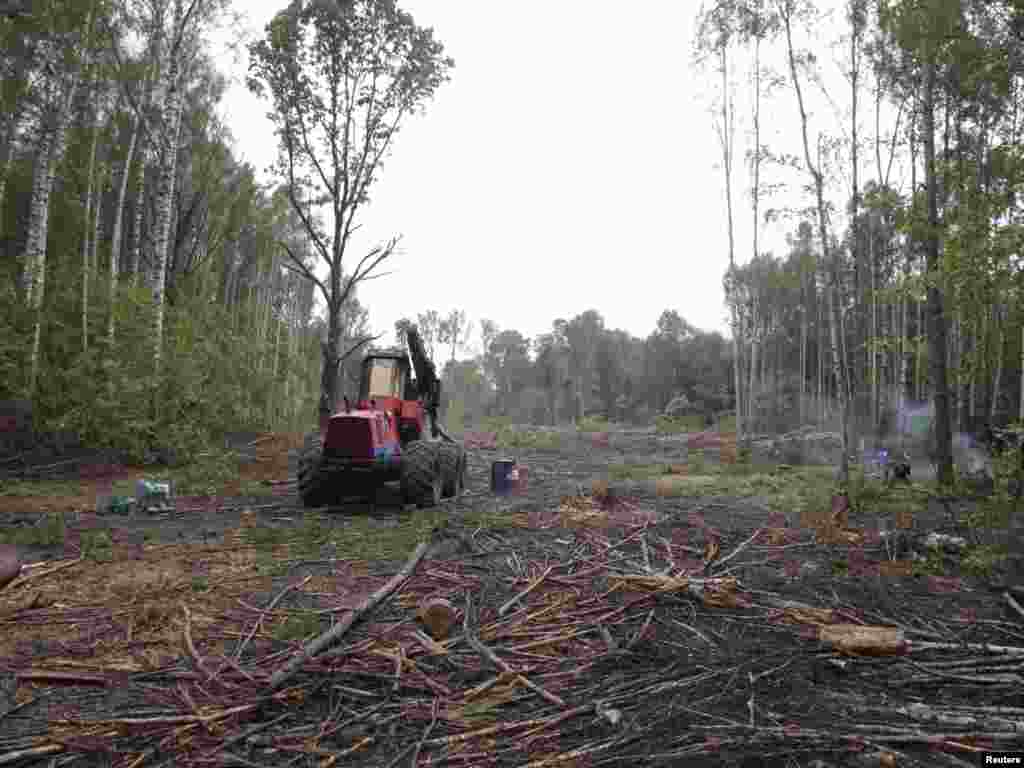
x=597 y=647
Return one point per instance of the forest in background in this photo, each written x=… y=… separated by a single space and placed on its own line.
x=147 y=298
x=149 y=293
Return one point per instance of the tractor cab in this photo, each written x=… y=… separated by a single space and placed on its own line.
x=386 y=376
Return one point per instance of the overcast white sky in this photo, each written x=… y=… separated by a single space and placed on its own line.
x=569 y=164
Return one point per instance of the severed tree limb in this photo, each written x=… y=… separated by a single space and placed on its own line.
x=21 y=754
x=318 y=644
x=509 y=604
x=740 y=548
x=489 y=655
x=1013 y=604
x=264 y=612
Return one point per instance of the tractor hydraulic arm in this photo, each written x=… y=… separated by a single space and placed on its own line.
x=427 y=382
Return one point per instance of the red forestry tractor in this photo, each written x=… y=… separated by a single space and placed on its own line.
x=391 y=433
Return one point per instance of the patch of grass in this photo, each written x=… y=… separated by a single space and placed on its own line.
x=989 y=513
x=362 y=540
x=687 y=485
x=509 y=438
x=254 y=488
x=592 y=424
x=865 y=493
x=696 y=460
x=933 y=563
x=495 y=424
x=675 y=425
x=266 y=538
x=627 y=471
x=97 y=546
x=311 y=535
x=298 y=626
x=48 y=532
x=267 y=564
x=980 y=560
x=35 y=488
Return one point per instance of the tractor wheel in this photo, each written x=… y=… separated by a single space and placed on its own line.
x=313 y=481
x=421 y=478
x=453 y=469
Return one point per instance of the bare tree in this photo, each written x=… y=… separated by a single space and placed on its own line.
x=341 y=78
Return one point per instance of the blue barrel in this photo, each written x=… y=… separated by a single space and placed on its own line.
x=501 y=482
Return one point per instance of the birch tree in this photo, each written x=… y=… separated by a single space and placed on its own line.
x=341 y=79
x=787 y=12
x=59 y=79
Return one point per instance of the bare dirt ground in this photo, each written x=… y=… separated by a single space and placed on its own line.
x=635 y=605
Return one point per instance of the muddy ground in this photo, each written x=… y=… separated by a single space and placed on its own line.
x=733 y=667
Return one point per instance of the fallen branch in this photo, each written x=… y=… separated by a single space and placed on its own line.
x=71 y=678
x=190 y=646
x=28 y=572
x=507 y=606
x=490 y=656
x=336 y=632
x=21 y=754
x=738 y=549
x=1013 y=604
x=263 y=614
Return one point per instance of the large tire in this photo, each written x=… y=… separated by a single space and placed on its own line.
x=453 y=469
x=313 y=481
x=421 y=478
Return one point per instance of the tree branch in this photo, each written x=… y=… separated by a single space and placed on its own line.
x=303 y=271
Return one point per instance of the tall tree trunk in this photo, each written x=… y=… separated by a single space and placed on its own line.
x=87 y=226
x=725 y=135
x=331 y=362
x=943 y=448
x=171 y=112
x=752 y=386
x=115 y=237
x=1020 y=409
x=5 y=171
x=838 y=361
x=134 y=267
x=997 y=379
x=50 y=152
x=803 y=364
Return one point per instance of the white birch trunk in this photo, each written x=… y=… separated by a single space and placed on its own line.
x=87 y=226
x=172 y=107
x=115 y=237
x=50 y=152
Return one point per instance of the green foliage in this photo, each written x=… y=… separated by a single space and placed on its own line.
x=205 y=473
